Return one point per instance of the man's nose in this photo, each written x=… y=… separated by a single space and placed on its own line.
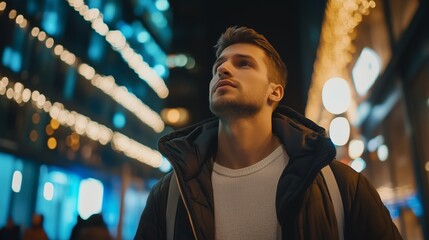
x=223 y=70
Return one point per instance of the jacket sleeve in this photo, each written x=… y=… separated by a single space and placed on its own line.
x=365 y=216
x=152 y=221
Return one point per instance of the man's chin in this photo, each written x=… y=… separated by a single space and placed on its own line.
x=231 y=108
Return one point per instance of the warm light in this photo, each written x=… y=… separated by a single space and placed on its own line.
x=339 y=131
x=23 y=24
x=12 y=14
x=82 y=125
x=48 y=191
x=336 y=95
x=26 y=95
x=54 y=124
x=58 y=50
x=356 y=148
x=33 y=135
x=35 y=31
x=175 y=116
x=35 y=118
x=48 y=129
x=49 y=42
x=2 y=6
x=336 y=49
x=90 y=198
x=106 y=84
x=119 y=43
x=52 y=143
x=366 y=70
x=41 y=36
x=19 y=19
x=383 y=152
x=16 y=181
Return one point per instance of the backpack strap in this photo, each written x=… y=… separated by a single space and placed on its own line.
x=335 y=194
x=328 y=175
x=172 y=200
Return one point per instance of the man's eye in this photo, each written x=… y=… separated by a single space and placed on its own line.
x=244 y=64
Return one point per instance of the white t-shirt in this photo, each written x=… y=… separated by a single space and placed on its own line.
x=245 y=199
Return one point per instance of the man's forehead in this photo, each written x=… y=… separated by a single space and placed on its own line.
x=243 y=50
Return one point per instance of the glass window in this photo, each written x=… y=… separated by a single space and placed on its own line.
x=58 y=202
x=401 y=14
x=372 y=34
x=418 y=95
x=390 y=169
x=6 y=171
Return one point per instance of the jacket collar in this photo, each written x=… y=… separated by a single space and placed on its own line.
x=190 y=149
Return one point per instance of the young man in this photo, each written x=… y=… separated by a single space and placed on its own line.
x=254 y=171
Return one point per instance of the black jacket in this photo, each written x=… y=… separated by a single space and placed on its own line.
x=303 y=205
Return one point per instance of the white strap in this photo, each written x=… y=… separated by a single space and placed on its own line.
x=334 y=192
x=172 y=200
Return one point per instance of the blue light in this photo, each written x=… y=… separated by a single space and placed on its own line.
x=165 y=165
x=7 y=55
x=16 y=61
x=12 y=59
x=393 y=210
x=414 y=204
x=143 y=37
x=94 y=3
x=152 y=48
x=162 y=5
x=70 y=82
x=50 y=22
x=160 y=69
x=125 y=29
x=158 y=19
x=95 y=49
x=109 y=12
x=119 y=120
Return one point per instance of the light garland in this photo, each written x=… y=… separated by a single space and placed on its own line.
x=118 y=42
x=80 y=123
x=105 y=83
x=335 y=50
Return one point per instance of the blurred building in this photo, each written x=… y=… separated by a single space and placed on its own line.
x=370 y=89
x=82 y=85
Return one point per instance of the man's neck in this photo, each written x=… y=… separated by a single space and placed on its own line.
x=243 y=142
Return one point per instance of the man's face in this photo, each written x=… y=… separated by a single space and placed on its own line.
x=240 y=81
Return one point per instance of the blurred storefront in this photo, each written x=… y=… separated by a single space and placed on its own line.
x=82 y=84
x=374 y=59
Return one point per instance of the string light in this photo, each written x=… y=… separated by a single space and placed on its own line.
x=81 y=124
x=335 y=50
x=118 y=42
x=105 y=83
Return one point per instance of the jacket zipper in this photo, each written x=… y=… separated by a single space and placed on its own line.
x=186 y=207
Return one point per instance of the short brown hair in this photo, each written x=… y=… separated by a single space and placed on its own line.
x=233 y=35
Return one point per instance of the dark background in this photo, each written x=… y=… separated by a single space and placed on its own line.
x=292 y=27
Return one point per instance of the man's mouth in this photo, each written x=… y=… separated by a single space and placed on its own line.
x=224 y=83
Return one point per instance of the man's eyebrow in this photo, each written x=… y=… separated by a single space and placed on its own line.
x=222 y=58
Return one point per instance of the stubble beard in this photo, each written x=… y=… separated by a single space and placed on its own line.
x=234 y=108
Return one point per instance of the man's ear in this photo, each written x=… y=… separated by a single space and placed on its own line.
x=276 y=92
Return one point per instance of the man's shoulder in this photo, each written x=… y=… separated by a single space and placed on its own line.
x=161 y=187
x=346 y=177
